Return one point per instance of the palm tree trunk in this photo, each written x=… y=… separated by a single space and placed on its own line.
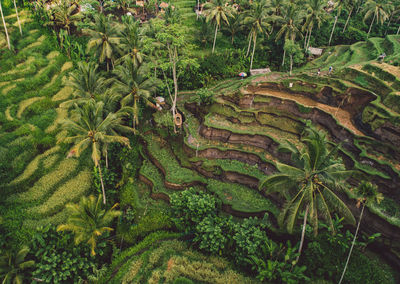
x=303 y=232
x=398 y=30
x=215 y=36
x=102 y=184
x=291 y=64
x=387 y=28
x=248 y=47
x=348 y=19
x=254 y=48
x=352 y=244
x=305 y=39
x=19 y=23
x=309 y=37
x=5 y=27
x=333 y=29
x=370 y=26
x=284 y=54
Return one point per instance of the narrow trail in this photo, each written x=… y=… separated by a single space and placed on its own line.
x=341 y=115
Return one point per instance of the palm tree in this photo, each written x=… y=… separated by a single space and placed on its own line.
x=130 y=44
x=308 y=184
x=5 y=27
x=16 y=12
x=104 y=39
x=234 y=26
x=258 y=20
x=339 y=7
x=87 y=81
x=290 y=21
x=350 y=4
x=134 y=85
x=276 y=6
x=380 y=9
x=369 y=194
x=217 y=11
x=13 y=266
x=65 y=15
x=89 y=220
x=315 y=16
x=90 y=126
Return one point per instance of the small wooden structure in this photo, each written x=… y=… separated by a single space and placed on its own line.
x=260 y=71
x=315 y=51
x=178 y=119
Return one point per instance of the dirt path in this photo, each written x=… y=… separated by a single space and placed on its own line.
x=341 y=115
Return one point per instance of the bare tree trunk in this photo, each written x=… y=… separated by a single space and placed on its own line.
x=254 y=48
x=5 y=27
x=333 y=28
x=305 y=39
x=19 y=23
x=215 y=36
x=291 y=64
x=102 y=183
x=352 y=244
x=398 y=30
x=370 y=26
x=303 y=232
x=284 y=54
x=309 y=37
x=248 y=47
x=348 y=19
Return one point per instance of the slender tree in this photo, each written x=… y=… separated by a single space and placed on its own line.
x=5 y=27
x=309 y=183
x=234 y=26
x=16 y=13
x=316 y=15
x=292 y=17
x=350 y=5
x=379 y=10
x=88 y=220
x=258 y=20
x=369 y=194
x=339 y=6
x=104 y=39
x=89 y=126
x=217 y=13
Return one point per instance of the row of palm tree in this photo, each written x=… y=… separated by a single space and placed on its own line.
x=292 y=19
x=5 y=26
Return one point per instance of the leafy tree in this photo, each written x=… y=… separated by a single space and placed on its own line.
x=258 y=20
x=5 y=27
x=13 y=266
x=87 y=81
x=65 y=15
x=293 y=50
x=380 y=9
x=289 y=21
x=91 y=127
x=369 y=194
x=104 y=39
x=134 y=85
x=216 y=12
x=89 y=220
x=316 y=15
x=308 y=184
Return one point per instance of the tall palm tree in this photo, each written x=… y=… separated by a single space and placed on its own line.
x=234 y=26
x=316 y=15
x=89 y=220
x=130 y=43
x=86 y=81
x=258 y=20
x=339 y=6
x=134 y=85
x=90 y=126
x=13 y=266
x=16 y=13
x=66 y=15
x=369 y=194
x=218 y=13
x=104 y=39
x=5 y=27
x=380 y=9
x=350 y=5
x=292 y=17
x=309 y=183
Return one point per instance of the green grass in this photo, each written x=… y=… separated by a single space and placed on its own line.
x=229 y=165
x=149 y=171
